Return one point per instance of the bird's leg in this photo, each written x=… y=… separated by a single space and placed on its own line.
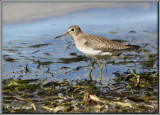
x=106 y=64
x=91 y=71
x=106 y=67
x=100 y=65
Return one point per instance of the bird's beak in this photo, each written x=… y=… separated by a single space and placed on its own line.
x=66 y=33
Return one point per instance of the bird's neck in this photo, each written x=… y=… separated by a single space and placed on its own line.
x=77 y=34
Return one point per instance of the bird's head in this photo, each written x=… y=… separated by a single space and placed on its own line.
x=72 y=30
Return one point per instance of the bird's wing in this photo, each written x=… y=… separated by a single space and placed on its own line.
x=100 y=43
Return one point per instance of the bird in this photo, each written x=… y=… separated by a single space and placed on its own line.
x=96 y=47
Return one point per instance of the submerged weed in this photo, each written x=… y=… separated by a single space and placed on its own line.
x=130 y=92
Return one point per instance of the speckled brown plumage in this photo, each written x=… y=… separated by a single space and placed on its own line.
x=104 y=44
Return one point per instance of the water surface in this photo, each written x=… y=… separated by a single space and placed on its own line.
x=32 y=43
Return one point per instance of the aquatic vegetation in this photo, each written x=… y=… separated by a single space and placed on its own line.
x=132 y=31
x=130 y=92
x=148 y=56
x=9 y=59
x=112 y=32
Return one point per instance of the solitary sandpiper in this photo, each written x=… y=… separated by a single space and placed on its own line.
x=96 y=47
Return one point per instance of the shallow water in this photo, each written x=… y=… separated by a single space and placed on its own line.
x=32 y=43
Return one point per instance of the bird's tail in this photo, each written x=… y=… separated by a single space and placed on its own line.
x=133 y=47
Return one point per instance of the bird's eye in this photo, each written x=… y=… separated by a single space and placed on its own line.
x=72 y=29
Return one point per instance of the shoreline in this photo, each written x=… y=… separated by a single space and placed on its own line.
x=15 y=12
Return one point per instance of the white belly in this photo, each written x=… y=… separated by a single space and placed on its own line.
x=89 y=52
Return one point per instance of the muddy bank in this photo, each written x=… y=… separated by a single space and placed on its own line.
x=14 y=12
